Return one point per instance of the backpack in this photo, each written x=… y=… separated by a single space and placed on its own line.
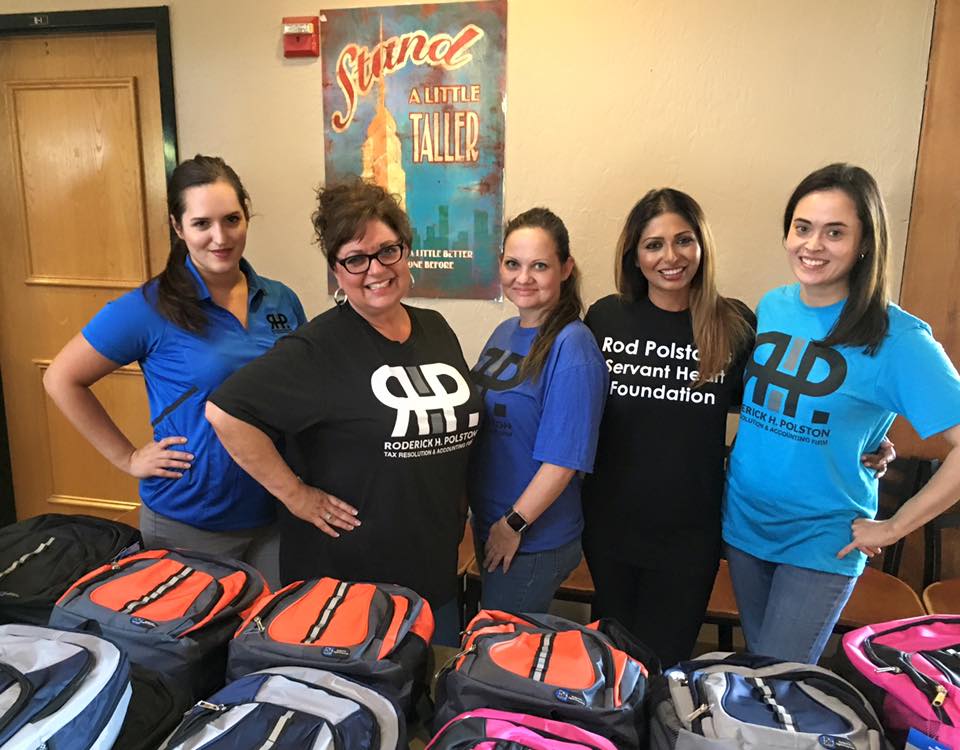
x=551 y=667
x=292 y=708
x=173 y=611
x=723 y=700
x=376 y=633
x=485 y=728
x=910 y=671
x=41 y=556
x=60 y=690
x=155 y=709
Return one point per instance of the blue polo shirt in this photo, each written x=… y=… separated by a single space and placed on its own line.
x=181 y=369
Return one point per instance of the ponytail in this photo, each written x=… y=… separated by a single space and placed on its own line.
x=177 y=299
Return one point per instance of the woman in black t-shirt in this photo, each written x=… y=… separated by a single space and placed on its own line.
x=675 y=349
x=374 y=399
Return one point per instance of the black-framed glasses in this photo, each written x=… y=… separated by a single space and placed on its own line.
x=360 y=262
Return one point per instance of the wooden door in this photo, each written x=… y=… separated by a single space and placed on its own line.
x=82 y=221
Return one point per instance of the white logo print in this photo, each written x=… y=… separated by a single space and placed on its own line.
x=423 y=392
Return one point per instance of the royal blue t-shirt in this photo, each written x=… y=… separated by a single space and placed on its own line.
x=554 y=419
x=180 y=370
x=795 y=482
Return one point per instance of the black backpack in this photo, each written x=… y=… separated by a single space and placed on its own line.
x=155 y=710
x=42 y=556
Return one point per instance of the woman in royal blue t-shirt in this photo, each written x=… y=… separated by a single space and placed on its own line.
x=543 y=382
x=204 y=316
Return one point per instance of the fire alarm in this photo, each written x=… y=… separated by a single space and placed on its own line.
x=301 y=36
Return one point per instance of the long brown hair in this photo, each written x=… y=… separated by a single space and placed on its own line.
x=177 y=299
x=720 y=329
x=568 y=307
x=863 y=320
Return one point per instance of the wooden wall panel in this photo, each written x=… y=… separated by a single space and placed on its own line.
x=77 y=159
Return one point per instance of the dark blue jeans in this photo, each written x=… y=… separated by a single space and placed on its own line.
x=532 y=581
x=786 y=612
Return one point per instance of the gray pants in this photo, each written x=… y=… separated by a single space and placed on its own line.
x=258 y=547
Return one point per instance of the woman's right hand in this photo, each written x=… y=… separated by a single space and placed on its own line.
x=325 y=511
x=155 y=459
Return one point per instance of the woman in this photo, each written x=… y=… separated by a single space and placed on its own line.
x=207 y=314
x=675 y=349
x=835 y=361
x=543 y=382
x=375 y=401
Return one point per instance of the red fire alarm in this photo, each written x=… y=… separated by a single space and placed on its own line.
x=301 y=36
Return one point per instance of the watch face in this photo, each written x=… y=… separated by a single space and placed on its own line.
x=515 y=521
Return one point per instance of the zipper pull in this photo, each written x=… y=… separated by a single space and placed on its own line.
x=893 y=670
x=698 y=712
x=940 y=697
x=259 y=624
x=452 y=659
x=208 y=706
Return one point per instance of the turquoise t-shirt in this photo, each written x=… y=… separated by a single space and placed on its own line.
x=795 y=482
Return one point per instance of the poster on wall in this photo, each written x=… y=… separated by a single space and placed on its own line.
x=413 y=100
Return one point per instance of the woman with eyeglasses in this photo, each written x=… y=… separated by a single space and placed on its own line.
x=373 y=398
x=204 y=316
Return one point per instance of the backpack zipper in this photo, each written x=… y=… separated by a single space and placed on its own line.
x=892 y=659
x=27 y=556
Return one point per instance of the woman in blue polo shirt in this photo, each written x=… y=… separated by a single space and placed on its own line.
x=204 y=316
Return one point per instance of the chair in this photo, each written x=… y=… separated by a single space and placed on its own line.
x=722 y=608
x=943 y=597
x=933 y=538
x=939 y=596
x=465 y=558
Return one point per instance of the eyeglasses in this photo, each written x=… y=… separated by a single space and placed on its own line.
x=360 y=262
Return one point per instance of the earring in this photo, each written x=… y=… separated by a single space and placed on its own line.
x=413 y=280
x=339 y=296
x=862 y=256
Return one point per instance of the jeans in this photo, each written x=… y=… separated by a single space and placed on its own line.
x=446 y=620
x=533 y=579
x=786 y=612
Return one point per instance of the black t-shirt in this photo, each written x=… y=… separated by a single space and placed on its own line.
x=384 y=426
x=654 y=496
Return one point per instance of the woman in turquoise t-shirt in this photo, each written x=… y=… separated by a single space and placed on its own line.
x=835 y=361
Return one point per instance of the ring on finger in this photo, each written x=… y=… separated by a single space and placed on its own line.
x=327 y=516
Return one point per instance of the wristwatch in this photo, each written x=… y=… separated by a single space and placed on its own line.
x=515 y=521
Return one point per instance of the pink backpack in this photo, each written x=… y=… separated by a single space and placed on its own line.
x=913 y=670
x=485 y=729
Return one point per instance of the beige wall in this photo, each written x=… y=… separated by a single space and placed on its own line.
x=733 y=101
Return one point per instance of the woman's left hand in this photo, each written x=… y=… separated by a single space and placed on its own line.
x=501 y=546
x=870 y=537
x=879 y=461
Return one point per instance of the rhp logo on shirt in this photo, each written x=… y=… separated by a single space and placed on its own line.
x=490 y=369
x=279 y=323
x=431 y=392
x=788 y=368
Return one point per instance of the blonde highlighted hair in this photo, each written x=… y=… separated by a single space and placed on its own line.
x=720 y=329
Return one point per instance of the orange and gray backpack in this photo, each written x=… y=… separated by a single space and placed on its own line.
x=173 y=611
x=593 y=676
x=376 y=633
